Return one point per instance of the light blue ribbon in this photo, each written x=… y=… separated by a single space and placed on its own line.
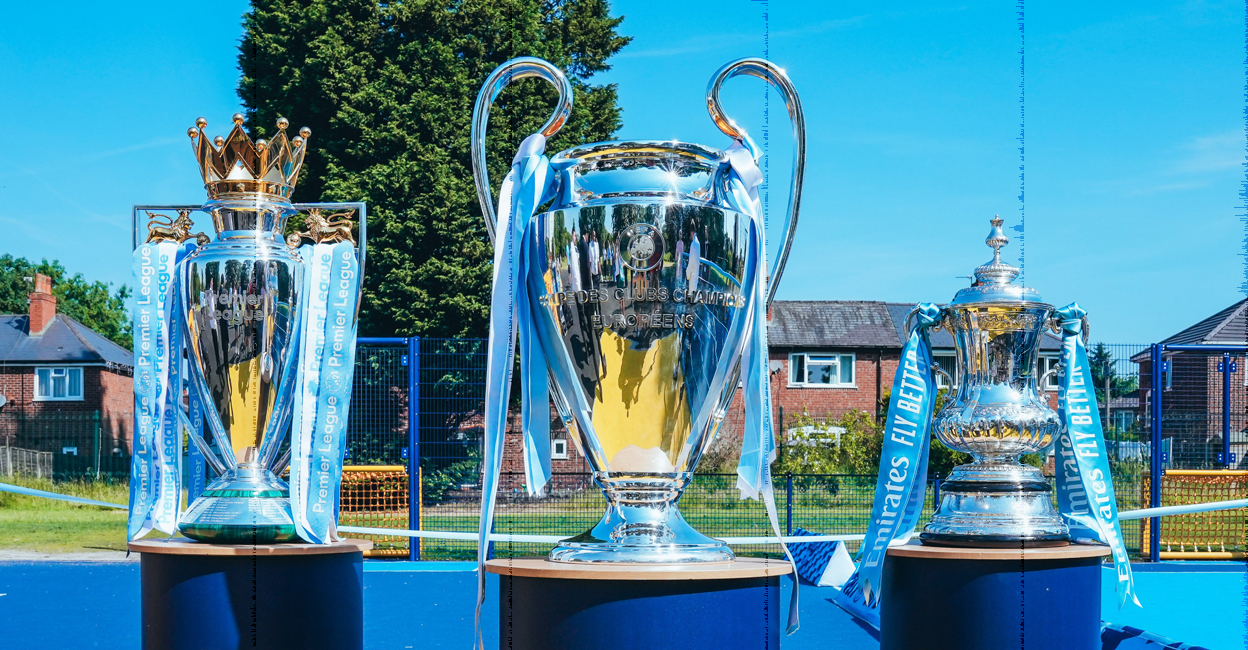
x=197 y=472
x=323 y=387
x=1085 y=487
x=155 y=485
x=529 y=184
x=901 y=485
x=31 y=492
x=758 y=444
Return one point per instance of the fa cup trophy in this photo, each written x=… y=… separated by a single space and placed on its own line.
x=997 y=414
x=240 y=299
x=636 y=274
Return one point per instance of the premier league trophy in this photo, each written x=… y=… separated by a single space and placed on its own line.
x=268 y=322
x=635 y=274
x=240 y=299
x=252 y=332
x=997 y=414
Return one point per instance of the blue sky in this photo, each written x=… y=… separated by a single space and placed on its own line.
x=1134 y=137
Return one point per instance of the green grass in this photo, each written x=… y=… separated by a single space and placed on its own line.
x=49 y=526
x=711 y=506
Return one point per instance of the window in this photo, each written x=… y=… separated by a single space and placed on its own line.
x=1167 y=367
x=1047 y=364
x=820 y=370
x=812 y=436
x=948 y=364
x=58 y=383
x=559 y=448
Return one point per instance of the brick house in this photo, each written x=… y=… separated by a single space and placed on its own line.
x=1193 y=397
x=830 y=357
x=66 y=389
x=826 y=358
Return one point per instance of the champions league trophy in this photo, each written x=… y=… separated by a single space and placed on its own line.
x=635 y=272
x=997 y=414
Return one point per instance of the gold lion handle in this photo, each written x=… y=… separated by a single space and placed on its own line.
x=162 y=228
x=324 y=230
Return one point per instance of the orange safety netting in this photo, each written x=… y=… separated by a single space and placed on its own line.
x=376 y=498
x=1216 y=531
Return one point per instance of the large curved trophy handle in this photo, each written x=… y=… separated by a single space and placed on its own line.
x=775 y=76
x=518 y=68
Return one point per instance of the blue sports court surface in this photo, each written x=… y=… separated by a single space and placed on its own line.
x=429 y=605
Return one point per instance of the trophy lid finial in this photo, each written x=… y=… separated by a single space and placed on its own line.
x=996 y=271
x=993 y=283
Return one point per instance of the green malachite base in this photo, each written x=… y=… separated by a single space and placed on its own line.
x=246 y=505
x=229 y=534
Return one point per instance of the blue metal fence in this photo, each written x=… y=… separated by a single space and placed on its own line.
x=438 y=441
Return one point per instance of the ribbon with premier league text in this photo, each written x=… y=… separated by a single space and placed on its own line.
x=197 y=466
x=529 y=184
x=900 y=487
x=155 y=484
x=1085 y=488
x=322 y=394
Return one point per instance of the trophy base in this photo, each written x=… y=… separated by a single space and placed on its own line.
x=246 y=505
x=642 y=526
x=989 y=505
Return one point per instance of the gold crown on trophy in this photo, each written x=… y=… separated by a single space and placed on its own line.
x=237 y=165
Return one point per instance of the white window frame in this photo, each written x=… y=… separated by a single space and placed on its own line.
x=64 y=372
x=799 y=382
x=559 y=449
x=1047 y=363
x=941 y=381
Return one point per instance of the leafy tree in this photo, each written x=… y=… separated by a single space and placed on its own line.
x=1101 y=359
x=94 y=304
x=814 y=451
x=387 y=89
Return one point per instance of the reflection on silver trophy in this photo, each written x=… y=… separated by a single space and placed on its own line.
x=997 y=414
x=640 y=262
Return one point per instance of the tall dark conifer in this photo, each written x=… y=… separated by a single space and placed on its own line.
x=387 y=89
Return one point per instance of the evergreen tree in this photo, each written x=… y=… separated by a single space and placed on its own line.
x=93 y=304
x=387 y=89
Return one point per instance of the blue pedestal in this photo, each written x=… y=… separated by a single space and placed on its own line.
x=992 y=599
x=282 y=596
x=552 y=606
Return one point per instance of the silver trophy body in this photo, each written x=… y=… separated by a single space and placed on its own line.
x=638 y=285
x=997 y=414
x=240 y=306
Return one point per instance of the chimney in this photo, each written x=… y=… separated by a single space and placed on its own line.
x=42 y=305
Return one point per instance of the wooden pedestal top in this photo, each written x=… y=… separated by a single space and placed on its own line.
x=1072 y=551
x=540 y=567
x=184 y=546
